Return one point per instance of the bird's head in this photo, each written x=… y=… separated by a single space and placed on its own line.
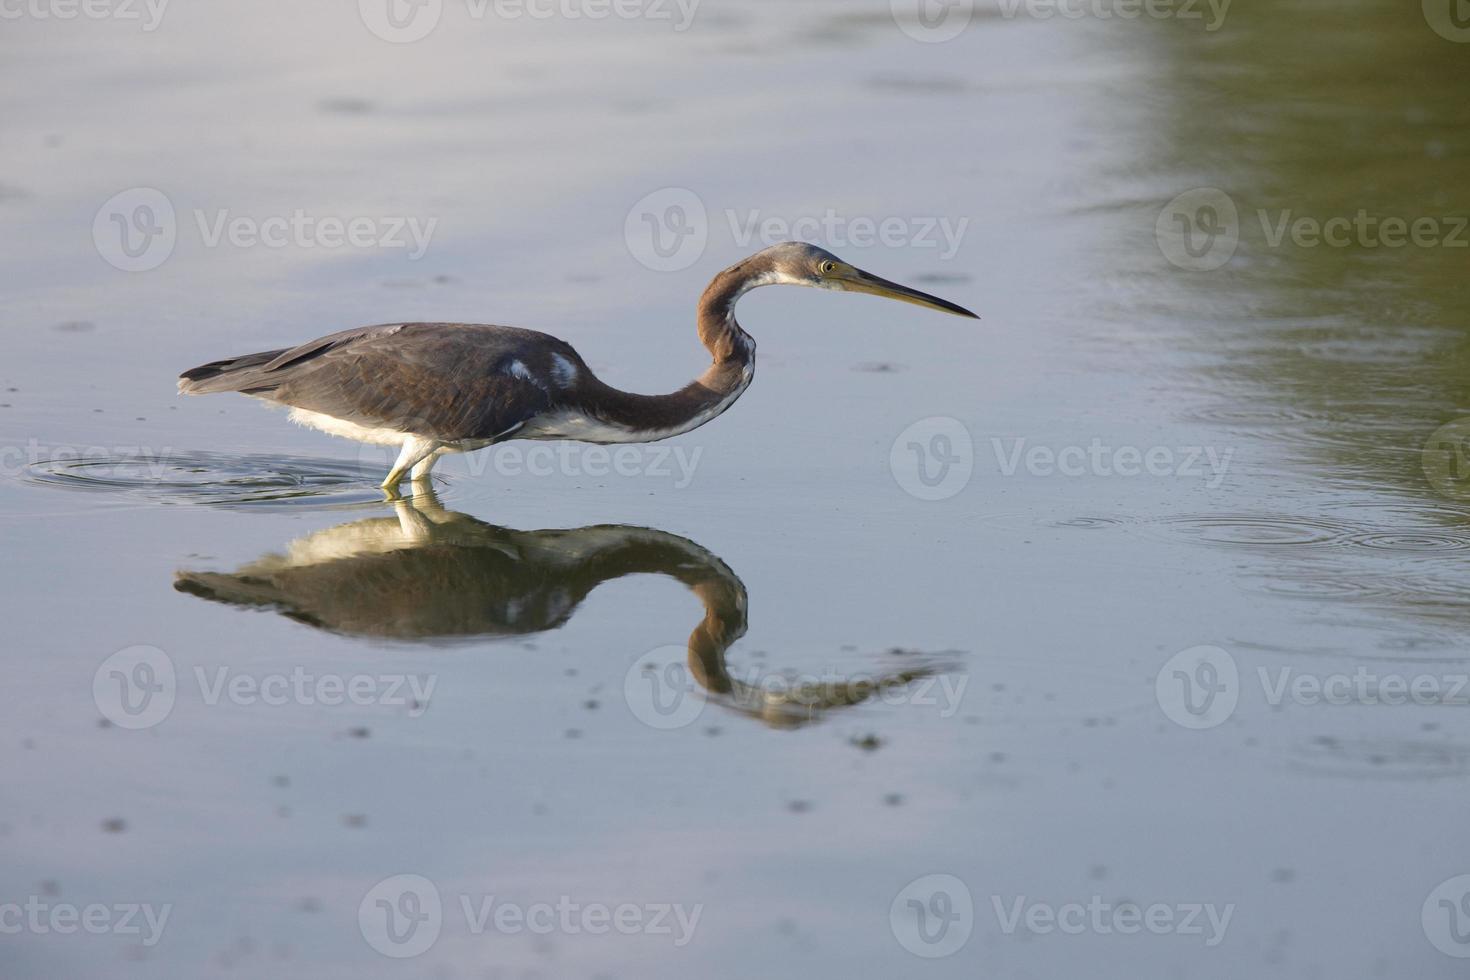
x=801 y=264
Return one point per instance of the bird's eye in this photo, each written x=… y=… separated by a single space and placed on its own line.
x=827 y=267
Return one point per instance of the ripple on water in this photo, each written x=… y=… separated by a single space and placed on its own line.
x=215 y=479
x=1425 y=541
x=1391 y=759
x=1257 y=530
x=1079 y=522
x=1085 y=523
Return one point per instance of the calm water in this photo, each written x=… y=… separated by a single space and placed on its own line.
x=1045 y=606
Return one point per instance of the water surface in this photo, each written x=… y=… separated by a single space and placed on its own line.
x=761 y=677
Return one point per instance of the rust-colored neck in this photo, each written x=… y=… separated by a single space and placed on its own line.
x=718 y=329
x=732 y=353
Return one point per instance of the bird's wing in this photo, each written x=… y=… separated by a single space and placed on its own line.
x=442 y=380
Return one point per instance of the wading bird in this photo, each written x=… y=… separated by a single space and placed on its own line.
x=437 y=388
x=431 y=575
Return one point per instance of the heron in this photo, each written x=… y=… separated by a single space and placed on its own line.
x=432 y=575
x=437 y=388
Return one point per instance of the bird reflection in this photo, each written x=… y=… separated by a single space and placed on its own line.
x=428 y=574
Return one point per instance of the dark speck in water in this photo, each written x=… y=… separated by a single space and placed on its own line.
x=114 y=825
x=346 y=106
x=799 y=806
x=354 y=820
x=868 y=743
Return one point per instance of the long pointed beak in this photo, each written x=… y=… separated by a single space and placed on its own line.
x=858 y=281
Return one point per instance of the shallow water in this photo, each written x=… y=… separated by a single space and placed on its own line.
x=1098 y=601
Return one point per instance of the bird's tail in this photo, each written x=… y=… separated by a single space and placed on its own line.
x=231 y=374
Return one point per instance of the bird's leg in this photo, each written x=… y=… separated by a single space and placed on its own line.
x=423 y=467
x=413 y=452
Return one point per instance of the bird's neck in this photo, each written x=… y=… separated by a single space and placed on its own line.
x=732 y=368
x=718 y=329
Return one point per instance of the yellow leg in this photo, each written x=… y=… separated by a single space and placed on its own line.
x=414 y=451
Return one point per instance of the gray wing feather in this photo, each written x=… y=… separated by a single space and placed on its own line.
x=441 y=380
